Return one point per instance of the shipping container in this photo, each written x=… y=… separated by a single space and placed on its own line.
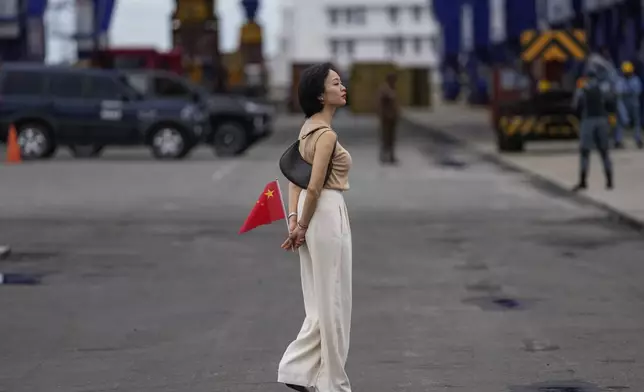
x=415 y=87
x=421 y=87
x=296 y=73
x=403 y=85
x=364 y=83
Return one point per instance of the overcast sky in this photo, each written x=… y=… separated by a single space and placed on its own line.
x=147 y=23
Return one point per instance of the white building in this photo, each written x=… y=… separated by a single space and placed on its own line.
x=404 y=32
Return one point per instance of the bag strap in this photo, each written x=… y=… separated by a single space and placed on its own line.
x=313 y=131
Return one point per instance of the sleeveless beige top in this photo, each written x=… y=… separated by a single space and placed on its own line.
x=314 y=144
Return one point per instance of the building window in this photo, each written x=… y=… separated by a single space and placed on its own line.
x=335 y=47
x=357 y=16
x=342 y=47
x=333 y=16
x=350 y=46
x=399 y=45
x=395 y=45
x=418 y=45
x=393 y=14
x=433 y=43
x=418 y=12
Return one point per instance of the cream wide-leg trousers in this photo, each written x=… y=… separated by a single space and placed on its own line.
x=316 y=358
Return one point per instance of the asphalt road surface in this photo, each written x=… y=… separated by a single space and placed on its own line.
x=466 y=277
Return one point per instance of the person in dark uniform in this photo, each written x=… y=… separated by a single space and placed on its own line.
x=388 y=113
x=592 y=99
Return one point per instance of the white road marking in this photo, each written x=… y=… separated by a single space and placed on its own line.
x=224 y=171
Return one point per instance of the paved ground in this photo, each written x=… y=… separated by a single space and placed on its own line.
x=555 y=162
x=149 y=288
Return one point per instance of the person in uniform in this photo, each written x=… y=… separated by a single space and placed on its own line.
x=629 y=89
x=592 y=99
x=388 y=113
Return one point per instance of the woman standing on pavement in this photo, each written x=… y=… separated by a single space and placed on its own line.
x=319 y=228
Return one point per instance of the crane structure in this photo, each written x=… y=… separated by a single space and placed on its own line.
x=22 y=30
x=194 y=35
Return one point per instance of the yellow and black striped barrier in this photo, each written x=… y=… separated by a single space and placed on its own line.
x=539 y=125
x=543 y=125
x=556 y=45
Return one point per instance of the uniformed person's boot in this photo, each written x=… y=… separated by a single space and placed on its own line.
x=581 y=185
x=609 y=180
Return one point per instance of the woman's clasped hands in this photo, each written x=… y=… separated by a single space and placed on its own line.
x=296 y=235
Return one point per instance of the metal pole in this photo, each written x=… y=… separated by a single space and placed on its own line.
x=96 y=29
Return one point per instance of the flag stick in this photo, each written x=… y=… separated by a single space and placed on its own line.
x=279 y=189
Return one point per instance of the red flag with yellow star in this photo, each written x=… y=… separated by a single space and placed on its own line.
x=268 y=208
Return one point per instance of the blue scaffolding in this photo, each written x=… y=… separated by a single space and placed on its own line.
x=22 y=30
x=478 y=34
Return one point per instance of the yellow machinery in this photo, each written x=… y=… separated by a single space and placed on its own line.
x=546 y=113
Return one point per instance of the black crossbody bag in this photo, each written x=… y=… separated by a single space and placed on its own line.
x=295 y=168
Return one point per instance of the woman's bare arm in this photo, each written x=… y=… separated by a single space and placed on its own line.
x=293 y=197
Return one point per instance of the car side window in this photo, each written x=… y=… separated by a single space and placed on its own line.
x=66 y=85
x=26 y=83
x=139 y=83
x=103 y=88
x=166 y=87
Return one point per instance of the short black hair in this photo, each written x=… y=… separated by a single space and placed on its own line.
x=312 y=86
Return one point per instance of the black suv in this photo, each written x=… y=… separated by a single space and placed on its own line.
x=236 y=122
x=81 y=108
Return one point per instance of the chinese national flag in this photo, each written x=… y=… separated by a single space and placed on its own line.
x=267 y=209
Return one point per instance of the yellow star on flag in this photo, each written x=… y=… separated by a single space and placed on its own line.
x=269 y=193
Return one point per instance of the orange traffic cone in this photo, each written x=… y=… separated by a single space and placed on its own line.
x=13 y=148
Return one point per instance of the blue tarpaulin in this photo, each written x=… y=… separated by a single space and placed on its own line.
x=105 y=9
x=578 y=7
x=36 y=8
x=522 y=15
x=250 y=8
x=481 y=10
x=448 y=14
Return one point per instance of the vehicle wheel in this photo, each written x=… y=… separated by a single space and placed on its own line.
x=230 y=139
x=510 y=144
x=169 y=142
x=86 y=151
x=36 y=141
